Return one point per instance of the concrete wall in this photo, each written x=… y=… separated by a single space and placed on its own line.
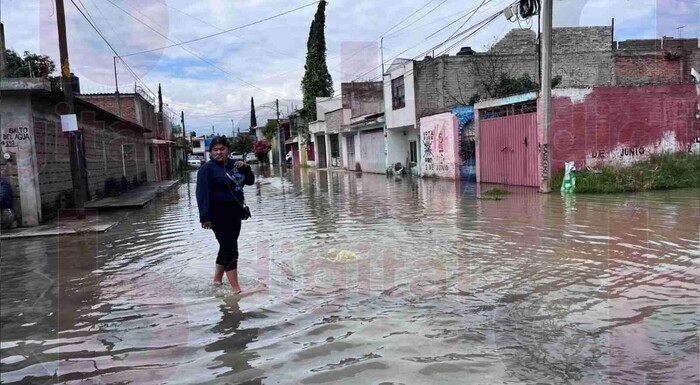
x=622 y=125
x=582 y=56
x=21 y=170
x=405 y=116
x=439 y=146
x=363 y=98
x=325 y=105
x=398 y=150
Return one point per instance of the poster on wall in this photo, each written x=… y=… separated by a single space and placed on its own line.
x=439 y=146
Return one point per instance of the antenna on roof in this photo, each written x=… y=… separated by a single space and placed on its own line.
x=680 y=31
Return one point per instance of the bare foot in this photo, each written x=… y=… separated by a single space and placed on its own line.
x=218 y=283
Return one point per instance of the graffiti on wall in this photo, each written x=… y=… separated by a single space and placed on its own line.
x=439 y=146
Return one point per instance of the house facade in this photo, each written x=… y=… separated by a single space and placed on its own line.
x=36 y=151
x=139 y=108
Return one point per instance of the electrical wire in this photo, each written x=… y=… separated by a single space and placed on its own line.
x=392 y=27
x=191 y=52
x=487 y=20
x=224 y=31
x=138 y=79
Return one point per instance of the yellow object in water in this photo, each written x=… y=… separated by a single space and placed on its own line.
x=336 y=255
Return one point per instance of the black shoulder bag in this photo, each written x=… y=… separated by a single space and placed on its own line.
x=246 y=209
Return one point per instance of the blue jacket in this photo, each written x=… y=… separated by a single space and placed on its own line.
x=216 y=183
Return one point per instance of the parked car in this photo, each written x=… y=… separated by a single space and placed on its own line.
x=194 y=161
x=235 y=156
x=251 y=158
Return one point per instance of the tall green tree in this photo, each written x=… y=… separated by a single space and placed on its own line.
x=317 y=81
x=253 y=119
x=31 y=65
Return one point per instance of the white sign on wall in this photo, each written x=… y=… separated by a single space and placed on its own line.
x=13 y=136
x=69 y=123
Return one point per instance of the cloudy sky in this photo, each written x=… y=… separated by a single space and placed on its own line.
x=212 y=80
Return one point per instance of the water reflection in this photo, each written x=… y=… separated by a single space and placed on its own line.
x=433 y=286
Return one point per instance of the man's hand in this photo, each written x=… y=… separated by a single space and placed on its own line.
x=241 y=164
x=206 y=225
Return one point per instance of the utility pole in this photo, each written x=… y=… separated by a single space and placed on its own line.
x=76 y=164
x=546 y=96
x=117 y=101
x=212 y=130
x=3 y=60
x=233 y=129
x=280 y=134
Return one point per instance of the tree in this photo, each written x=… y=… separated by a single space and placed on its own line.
x=31 y=65
x=270 y=130
x=317 y=81
x=261 y=149
x=241 y=144
x=253 y=119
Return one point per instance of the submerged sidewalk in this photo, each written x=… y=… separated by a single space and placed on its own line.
x=99 y=214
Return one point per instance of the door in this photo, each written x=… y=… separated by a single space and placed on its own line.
x=335 y=150
x=508 y=150
x=321 y=144
x=372 y=151
x=350 y=142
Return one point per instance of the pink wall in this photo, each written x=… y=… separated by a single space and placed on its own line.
x=622 y=125
x=439 y=146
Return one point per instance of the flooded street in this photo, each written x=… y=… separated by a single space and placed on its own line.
x=363 y=279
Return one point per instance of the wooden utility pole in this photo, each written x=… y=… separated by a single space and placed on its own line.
x=280 y=134
x=76 y=164
x=546 y=96
x=3 y=63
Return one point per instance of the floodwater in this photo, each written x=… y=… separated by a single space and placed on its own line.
x=424 y=284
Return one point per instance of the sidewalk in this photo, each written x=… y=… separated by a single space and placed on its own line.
x=99 y=214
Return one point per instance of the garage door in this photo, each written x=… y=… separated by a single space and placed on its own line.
x=372 y=151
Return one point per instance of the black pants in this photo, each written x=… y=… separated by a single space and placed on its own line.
x=226 y=223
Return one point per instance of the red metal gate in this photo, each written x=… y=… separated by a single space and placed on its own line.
x=508 y=150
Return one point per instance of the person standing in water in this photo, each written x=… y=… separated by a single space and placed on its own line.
x=222 y=207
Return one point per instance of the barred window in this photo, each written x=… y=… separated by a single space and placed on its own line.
x=398 y=93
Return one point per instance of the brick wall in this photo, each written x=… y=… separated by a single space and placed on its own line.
x=646 y=69
x=659 y=61
x=582 y=56
x=622 y=125
x=103 y=139
x=134 y=108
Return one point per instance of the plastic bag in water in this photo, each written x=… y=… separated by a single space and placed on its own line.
x=569 y=184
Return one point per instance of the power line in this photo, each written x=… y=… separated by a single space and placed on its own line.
x=189 y=50
x=394 y=26
x=224 y=31
x=259 y=44
x=112 y=48
x=487 y=20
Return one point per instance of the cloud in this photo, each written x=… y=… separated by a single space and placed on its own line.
x=271 y=54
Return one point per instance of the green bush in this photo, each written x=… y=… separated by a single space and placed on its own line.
x=660 y=172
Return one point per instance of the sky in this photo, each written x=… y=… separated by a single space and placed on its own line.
x=212 y=80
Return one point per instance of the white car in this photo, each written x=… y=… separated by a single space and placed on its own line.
x=194 y=162
x=251 y=158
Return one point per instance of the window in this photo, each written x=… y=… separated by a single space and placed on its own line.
x=398 y=93
x=413 y=145
x=196 y=143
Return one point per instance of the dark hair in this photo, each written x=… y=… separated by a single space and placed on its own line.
x=218 y=140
